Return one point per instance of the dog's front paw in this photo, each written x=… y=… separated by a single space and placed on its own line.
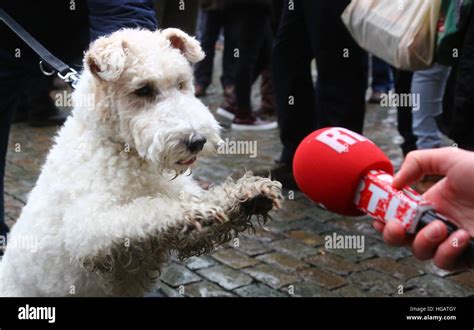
x=258 y=195
x=199 y=218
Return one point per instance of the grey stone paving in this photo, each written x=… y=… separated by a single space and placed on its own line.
x=287 y=257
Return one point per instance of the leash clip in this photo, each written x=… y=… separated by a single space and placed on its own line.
x=71 y=77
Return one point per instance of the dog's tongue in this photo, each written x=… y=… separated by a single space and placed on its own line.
x=188 y=162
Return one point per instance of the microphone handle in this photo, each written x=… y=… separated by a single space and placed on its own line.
x=429 y=216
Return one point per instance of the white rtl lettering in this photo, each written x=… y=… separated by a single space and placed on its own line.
x=408 y=216
x=339 y=138
x=377 y=195
x=392 y=209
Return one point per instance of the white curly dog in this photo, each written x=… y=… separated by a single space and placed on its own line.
x=114 y=198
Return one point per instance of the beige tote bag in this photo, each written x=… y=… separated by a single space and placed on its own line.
x=401 y=32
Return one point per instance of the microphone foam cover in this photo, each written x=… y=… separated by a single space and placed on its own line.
x=329 y=164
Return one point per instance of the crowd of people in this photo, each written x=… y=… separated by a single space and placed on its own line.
x=290 y=36
x=276 y=40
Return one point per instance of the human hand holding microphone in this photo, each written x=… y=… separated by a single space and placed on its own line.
x=453 y=197
x=346 y=173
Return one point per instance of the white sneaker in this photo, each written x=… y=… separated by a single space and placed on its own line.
x=253 y=124
x=225 y=113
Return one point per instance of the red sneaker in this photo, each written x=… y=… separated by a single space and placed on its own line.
x=199 y=90
x=253 y=123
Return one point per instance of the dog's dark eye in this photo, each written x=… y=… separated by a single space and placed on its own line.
x=181 y=85
x=144 y=91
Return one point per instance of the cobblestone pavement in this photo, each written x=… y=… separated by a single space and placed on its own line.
x=288 y=257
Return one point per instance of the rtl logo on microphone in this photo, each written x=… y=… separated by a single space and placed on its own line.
x=340 y=139
x=376 y=197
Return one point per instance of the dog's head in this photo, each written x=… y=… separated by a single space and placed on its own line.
x=143 y=85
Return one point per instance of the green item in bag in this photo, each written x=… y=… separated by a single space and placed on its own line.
x=451 y=25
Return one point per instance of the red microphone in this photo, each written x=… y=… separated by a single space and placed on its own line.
x=348 y=174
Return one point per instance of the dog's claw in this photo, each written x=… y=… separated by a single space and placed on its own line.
x=199 y=219
x=277 y=204
x=259 y=195
x=265 y=191
x=222 y=217
x=197 y=225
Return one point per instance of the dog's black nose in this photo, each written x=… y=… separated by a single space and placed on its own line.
x=195 y=143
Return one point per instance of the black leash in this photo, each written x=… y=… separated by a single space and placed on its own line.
x=64 y=71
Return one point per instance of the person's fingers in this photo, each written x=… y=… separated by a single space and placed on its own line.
x=434 y=194
x=378 y=226
x=427 y=240
x=394 y=234
x=421 y=162
x=448 y=253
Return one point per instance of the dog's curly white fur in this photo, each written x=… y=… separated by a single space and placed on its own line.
x=112 y=201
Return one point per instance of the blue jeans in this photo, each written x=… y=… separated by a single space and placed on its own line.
x=430 y=85
x=382 y=78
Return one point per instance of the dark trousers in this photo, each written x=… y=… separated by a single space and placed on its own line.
x=458 y=106
x=254 y=45
x=314 y=30
x=212 y=22
x=11 y=84
x=404 y=115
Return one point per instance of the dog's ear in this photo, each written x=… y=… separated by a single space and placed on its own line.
x=189 y=46
x=106 y=58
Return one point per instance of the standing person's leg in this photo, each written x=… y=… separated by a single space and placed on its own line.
x=382 y=80
x=10 y=82
x=341 y=64
x=203 y=70
x=429 y=84
x=201 y=24
x=404 y=112
x=252 y=25
x=267 y=105
x=292 y=82
x=170 y=13
x=229 y=60
x=461 y=100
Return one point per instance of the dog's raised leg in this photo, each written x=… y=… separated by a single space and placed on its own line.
x=226 y=210
x=124 y=249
